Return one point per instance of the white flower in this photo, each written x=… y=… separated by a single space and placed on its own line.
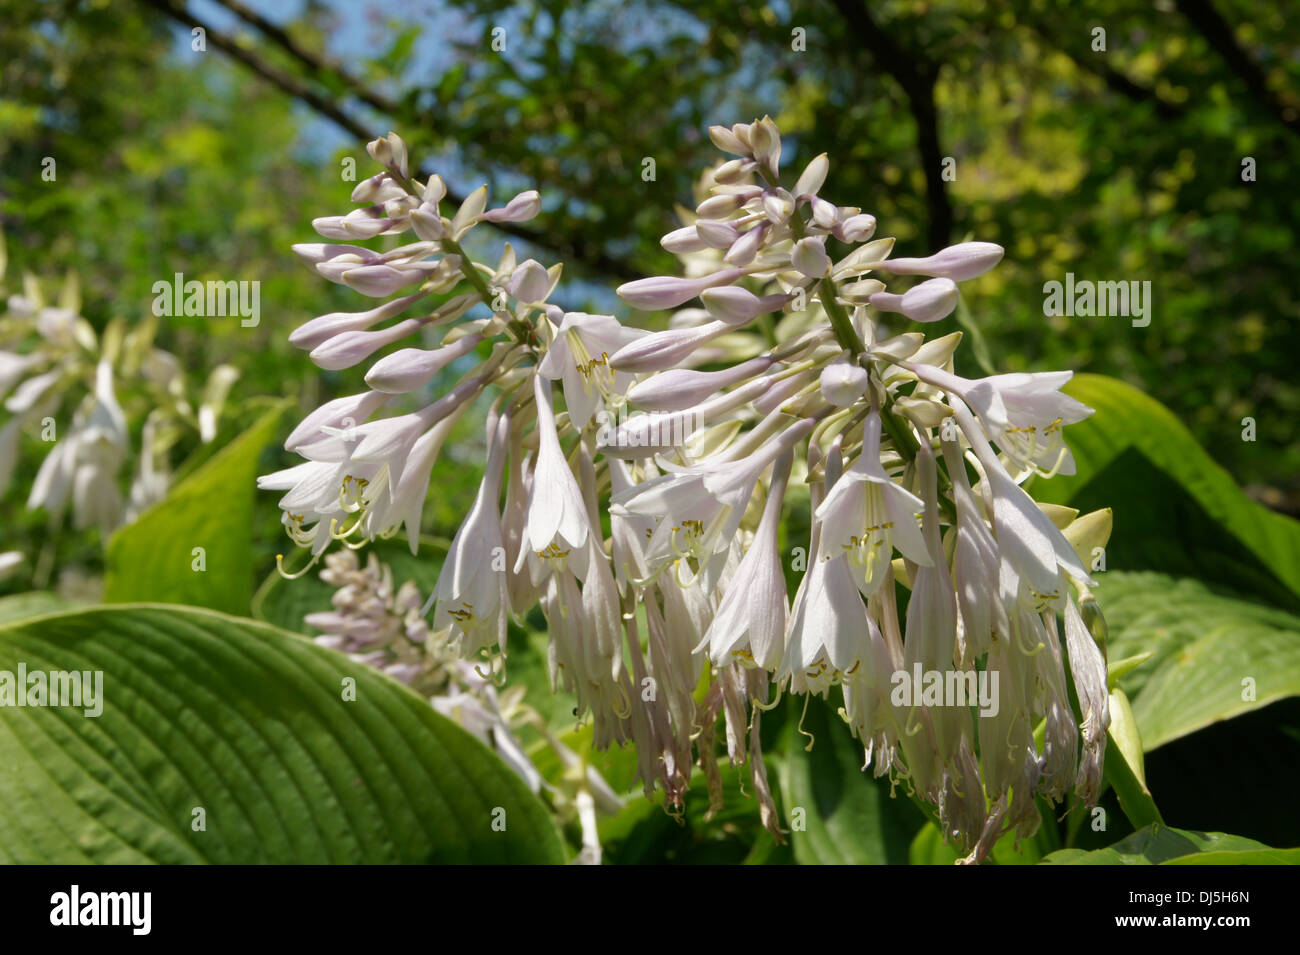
x=86 y=462
x=471 y=589
x=1022 y=413
x=579 y=356
x=558 y=524
x=1033 y=550
x=829 y=633
x=751 y=620
x=865 y=515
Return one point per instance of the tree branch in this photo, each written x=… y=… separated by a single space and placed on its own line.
x=574 y=248
x=318 y=65
x=1219 y=34
x=917 y=78
x=1114 y=79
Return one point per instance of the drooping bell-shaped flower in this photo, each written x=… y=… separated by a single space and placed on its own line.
x=471 y=600
x=866 y=515
x=580 y=357
x=750 y=623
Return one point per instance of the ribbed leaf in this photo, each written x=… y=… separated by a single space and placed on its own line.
x=1214 y=657
x=1175 y=510
x=1161 y=845
x=157 y=558
x=249 y=724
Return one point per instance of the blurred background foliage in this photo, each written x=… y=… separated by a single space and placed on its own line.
x=1122 y=164
x=1117 y=165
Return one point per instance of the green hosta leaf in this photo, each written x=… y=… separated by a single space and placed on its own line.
x=249 y=723
x=155 y=558
x=850 y=817
x=1161 y=845
x=1175 y=509
x=1213 y=657
x=32 y=604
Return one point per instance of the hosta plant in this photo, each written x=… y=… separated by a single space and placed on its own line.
x=640 y=487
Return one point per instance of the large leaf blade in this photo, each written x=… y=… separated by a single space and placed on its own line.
x=157 y=558
x=249 y=723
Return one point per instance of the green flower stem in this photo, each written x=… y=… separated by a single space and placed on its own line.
x=519 y=329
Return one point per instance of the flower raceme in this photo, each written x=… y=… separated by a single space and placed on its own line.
x=785 y=357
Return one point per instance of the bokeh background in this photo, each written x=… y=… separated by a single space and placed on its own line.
x=1122 y=163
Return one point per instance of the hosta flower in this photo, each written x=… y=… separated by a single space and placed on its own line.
x=558 y=524
x=750 y=622
x=471 y=589
x=579 y=356
x=866 y=515
x=670 y=628
x=1023 y=414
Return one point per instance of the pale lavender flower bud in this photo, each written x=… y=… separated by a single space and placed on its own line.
x=779 y=393
x=680 y=388
x=661 y=350
x=843 y=383
x=359 y=224
x=683 y=241
x=331 y=227
x=334 y=269
x=733 y=171
x=314 y=253
x=521 y=208
x=928 y=302
x=813 y=177
x=810 y=257
x=960 y=262
x=765 y=141
x=716 y=235
x=348 y=411
x=410 y=369
x=348 y=348
x=529 y=282
x=736 y=306
x=315 y=332
x=744 y=249
x=378 y=281
x=390 y=152
x=427 y=223
x=728 y=141
x=825 y=215
x=435 y=190
x=856 y=228
x=378 y=188
x=668 y=291
x=715 y=207
x=778 y=206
